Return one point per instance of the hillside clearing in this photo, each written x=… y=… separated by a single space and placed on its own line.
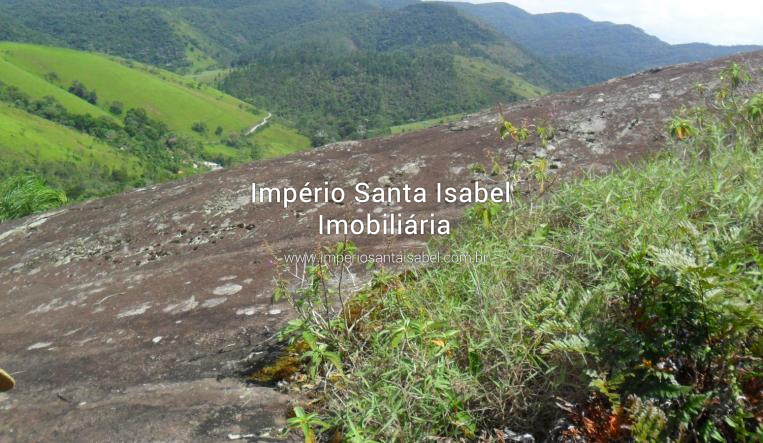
x=161 y=93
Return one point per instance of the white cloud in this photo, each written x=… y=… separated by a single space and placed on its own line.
x=725 y=22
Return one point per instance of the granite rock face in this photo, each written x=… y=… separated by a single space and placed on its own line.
x=128 y=318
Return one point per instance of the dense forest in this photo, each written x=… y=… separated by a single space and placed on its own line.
x=352 y=76
x=173 y=34
x=582 y=52
x=352 y=68
x=13 y=31
x=339 y=97
x=139 y=34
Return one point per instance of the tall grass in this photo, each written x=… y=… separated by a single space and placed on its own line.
x=622 y=307
x=24 y=195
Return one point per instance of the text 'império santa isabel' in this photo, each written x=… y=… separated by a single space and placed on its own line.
x=388 y=224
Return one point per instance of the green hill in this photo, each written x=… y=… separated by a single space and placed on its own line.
x=65 y=157
x=42 y=70
x=173 y=99
x=163 y=120
x=38 y=87
x=355 y=75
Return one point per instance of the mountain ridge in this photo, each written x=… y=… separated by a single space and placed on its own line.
x=172 y=30
x=478 y=54
x=597 y=50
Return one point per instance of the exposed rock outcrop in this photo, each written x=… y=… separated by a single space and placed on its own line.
x=119 y=315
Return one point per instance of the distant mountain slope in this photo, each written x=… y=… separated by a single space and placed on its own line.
x=196 y=35
x=172 y=34
x=582 y=51
x=160 y=121
x=351 y=74
x=414 y=26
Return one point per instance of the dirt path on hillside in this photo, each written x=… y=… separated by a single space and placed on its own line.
x=264 y=122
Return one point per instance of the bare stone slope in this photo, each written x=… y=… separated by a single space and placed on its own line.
x=124 y=319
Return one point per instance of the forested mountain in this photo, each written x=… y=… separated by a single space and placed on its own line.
x=345 y=76
x=190 y=35
x=580 y=51
x=187 y=35
x=338 y=68
x=175 y=34
x=351 y=68
x=13 y=31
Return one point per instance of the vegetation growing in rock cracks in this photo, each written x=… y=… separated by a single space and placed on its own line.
x=621 y=307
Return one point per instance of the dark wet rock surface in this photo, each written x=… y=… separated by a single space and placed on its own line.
x=128 y=318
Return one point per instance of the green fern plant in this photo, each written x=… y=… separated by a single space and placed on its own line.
x=648 y=421
x=693 y=309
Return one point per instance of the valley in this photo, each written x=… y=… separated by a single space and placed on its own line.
x=197 y=123
x=349 y=69
x=378 y=220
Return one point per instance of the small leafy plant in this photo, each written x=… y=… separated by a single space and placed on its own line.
x=681 y=129
x=306 y=423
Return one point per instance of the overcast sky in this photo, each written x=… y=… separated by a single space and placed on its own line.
x=721 y=22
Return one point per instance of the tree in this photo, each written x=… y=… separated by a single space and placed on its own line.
x=199 y=127
x=116 y=107
x=81 y=91
x=139 y=124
